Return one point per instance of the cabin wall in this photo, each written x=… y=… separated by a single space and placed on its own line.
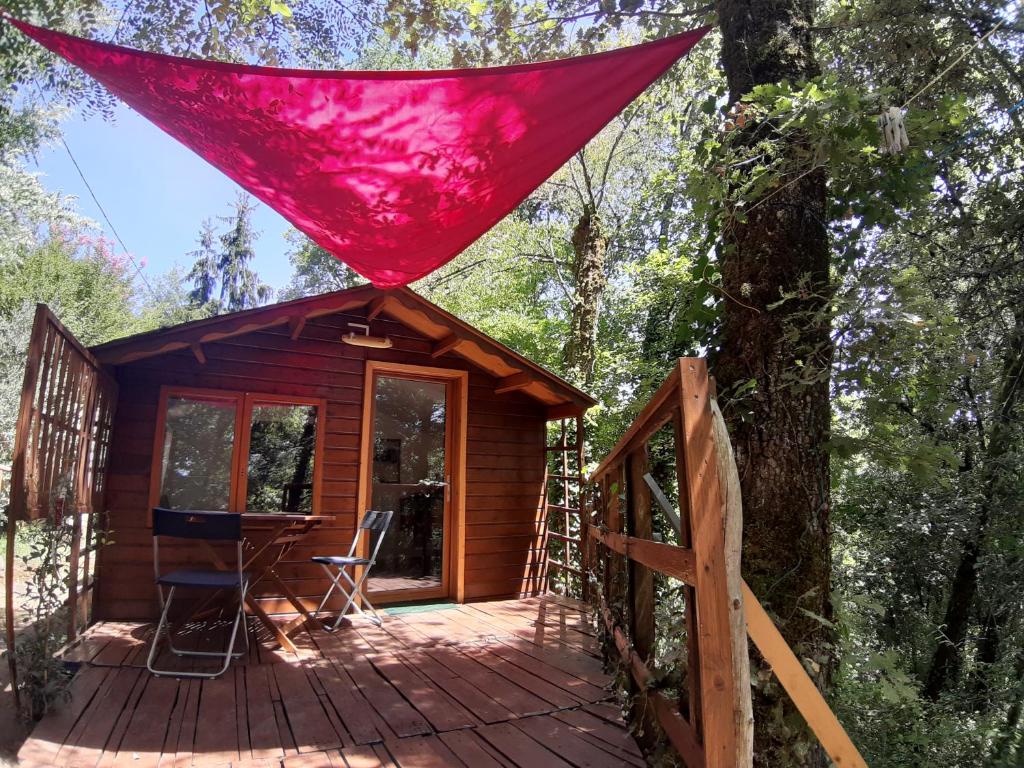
x=504 y=473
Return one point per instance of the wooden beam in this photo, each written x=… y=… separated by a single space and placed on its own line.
x=295 y=326
x=564 y=411
x=677 y=562
x=207 y=330
x=446 y=345
x=197 y=350
x=798 y=684
x=376 y=306
x=433 y=313
x=514 y=383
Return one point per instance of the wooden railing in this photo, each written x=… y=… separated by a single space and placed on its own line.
x=707 y=717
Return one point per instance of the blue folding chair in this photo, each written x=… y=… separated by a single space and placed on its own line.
x=208 y=526
x=372 y=523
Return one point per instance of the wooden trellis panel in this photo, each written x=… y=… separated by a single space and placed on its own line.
x=64 y=424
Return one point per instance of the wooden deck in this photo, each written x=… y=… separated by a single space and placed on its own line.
x=511 y=683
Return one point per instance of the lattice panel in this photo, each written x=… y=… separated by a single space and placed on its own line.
x=64 y=425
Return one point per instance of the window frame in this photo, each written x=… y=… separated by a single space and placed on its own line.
x=244 y=401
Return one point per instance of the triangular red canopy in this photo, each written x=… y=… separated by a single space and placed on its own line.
x=395 y=173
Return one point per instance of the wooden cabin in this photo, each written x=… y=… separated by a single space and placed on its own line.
x=273 y=413
x=272 y=410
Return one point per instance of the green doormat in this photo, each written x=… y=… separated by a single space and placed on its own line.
x=398 y=610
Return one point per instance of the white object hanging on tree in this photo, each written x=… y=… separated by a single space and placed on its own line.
x=894 y=133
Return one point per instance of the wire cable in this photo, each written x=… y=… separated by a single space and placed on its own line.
x=96 y=201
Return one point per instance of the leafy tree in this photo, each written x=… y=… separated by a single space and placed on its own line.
x=314 y=270
x=77 y=274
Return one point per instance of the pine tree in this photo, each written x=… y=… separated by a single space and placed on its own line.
x=203 y=274
x=227 y=267
x=240 y=286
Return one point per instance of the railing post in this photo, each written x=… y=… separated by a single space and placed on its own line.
x=700 y=485
x=641 y=583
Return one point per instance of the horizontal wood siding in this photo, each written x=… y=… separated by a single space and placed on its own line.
x=504 y=473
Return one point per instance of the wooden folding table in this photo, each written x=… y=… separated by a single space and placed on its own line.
x=269 y=537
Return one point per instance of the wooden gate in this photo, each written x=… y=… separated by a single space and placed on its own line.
x=707 y=718
x=61 y=448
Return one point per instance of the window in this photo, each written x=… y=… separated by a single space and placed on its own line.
x=282 y=444
x=237 y=451
x=199 y=440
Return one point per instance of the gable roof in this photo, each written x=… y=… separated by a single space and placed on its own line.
x=449 y=334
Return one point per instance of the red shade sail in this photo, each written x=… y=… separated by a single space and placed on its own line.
x=395 y=173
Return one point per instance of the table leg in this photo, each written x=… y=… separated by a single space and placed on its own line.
x=304 y=615
x=282 y=638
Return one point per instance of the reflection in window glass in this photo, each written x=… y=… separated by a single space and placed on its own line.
x=282 y=440
x=199 y=438
x=409 y=431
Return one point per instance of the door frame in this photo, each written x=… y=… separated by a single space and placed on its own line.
x=456 y=417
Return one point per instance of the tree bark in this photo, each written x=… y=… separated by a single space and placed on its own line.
x=780 y=427
x=590 y=247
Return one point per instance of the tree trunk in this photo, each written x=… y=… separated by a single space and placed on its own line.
x=780 y=426
x=590 y=247
x=945 y=664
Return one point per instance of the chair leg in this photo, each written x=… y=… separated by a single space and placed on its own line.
x=330 y=590
x=356 y=589
x=227 y=655
x=350 y=596
x=155 y=643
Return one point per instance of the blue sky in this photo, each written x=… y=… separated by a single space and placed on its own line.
x=155 y=192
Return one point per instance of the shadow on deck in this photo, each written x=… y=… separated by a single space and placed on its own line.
x=510 y=683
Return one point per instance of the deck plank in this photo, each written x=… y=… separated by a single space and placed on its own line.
x=49 y=736
x=422 y=752
x=310 y=726
x=579 y=688
x=520 y=748
x=615 y=740
x=362 y=757
x=538 y=686
x=264 y=740
x=388 y=703
x=506 y=693
x=442 y=711
x=216 y=740
x=86 y=742
x=121 y=723
x=479 y=703
x=144 y=738
x=564 y=740
x=182 y=752
x=351 y=707
x=472 y=750
x=510 y=684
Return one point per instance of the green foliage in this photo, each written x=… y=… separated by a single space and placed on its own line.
x=42 y=679
x=314 y=270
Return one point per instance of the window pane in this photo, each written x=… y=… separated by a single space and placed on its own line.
x=281 y=446
x=198 y=440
